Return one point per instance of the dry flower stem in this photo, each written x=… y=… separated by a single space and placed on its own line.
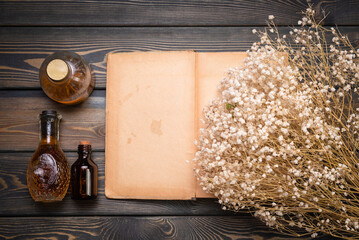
x=282 y=139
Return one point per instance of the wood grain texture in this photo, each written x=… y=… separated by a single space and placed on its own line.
x=19 y=126
x=93 y=28
x=22 y=49
x=157 y=228
x=13 y=189
x=169 y=13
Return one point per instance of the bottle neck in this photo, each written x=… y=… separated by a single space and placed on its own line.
x=49 y=130
x=84 y=152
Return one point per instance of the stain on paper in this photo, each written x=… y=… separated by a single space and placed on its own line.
x=128 y=96
x=156 y=127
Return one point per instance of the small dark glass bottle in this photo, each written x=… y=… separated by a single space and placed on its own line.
x=84 y=174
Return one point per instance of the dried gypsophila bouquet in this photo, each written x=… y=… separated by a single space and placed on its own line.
x=281 y=140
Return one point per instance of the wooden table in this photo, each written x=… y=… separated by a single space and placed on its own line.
x=31 y=30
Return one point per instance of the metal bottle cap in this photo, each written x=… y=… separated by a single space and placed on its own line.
x=57 y=69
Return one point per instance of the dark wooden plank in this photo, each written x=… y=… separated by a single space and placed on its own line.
x=15 y=199
x=19 y=123
x=181 y=227
x=169 y=13
x=22 y=49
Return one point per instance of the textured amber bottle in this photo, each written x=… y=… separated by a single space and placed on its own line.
x=84 y=174
x=48 y=173
x=65 y=77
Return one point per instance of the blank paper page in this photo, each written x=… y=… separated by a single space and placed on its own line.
x=150 y=125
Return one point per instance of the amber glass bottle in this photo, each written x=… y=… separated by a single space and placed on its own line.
x=84 y=174
x=65 y=77
x=48 y=173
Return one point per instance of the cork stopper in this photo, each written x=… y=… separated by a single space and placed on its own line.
x=57 y=69
x=85 y=143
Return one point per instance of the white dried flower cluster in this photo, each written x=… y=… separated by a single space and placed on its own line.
x=281 y=140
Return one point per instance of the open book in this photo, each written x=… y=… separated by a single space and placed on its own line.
x=154 y=104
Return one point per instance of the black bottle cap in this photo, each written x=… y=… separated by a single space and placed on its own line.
x=49 y=113
x=84 y=146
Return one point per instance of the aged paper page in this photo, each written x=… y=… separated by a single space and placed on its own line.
x=150 y=125
x=210 y=69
